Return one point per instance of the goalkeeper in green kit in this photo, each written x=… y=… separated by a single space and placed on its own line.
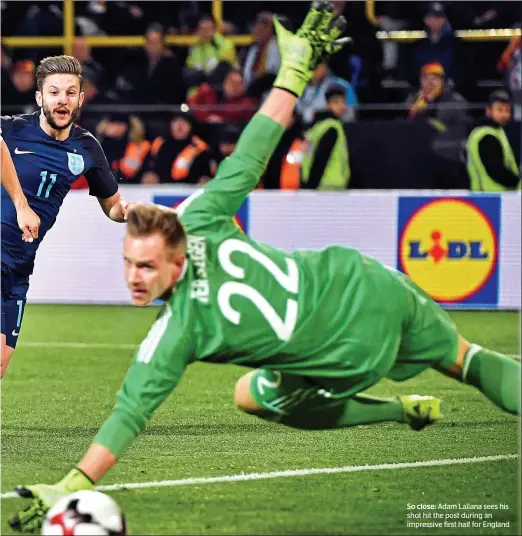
x=317 y=327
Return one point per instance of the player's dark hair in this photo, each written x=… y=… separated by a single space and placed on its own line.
x=57 y=65
x=144 y=220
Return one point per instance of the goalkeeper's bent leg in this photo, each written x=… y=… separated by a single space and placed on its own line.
x=495 y=375
x=297 y=402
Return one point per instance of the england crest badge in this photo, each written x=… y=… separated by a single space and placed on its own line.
x=76 y=163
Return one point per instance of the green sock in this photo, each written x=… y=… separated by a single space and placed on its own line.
x=321 y=414
x=496 y=375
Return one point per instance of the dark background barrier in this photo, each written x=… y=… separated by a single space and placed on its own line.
x=402 y=154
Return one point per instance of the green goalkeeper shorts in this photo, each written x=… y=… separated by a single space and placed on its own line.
x=430 y=338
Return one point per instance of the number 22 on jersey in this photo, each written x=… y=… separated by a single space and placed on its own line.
x=289 y=280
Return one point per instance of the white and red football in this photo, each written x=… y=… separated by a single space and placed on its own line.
x=85 y=513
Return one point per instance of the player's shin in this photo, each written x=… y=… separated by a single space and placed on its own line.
x=496 y=375
x=295 y=401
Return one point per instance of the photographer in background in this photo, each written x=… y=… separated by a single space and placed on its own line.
x=19 y=86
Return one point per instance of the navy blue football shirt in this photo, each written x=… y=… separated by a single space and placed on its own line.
x=46 y=169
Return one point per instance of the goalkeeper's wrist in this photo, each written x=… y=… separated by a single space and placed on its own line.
x=292 y=81
x=76 y=480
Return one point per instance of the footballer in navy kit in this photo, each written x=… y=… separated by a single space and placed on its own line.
x=49 y=153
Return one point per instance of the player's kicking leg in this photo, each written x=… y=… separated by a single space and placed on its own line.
x=300 y=402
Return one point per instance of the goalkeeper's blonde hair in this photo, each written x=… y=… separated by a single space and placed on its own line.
x=145 y=220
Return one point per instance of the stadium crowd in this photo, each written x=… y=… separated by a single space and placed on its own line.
x=213 y=88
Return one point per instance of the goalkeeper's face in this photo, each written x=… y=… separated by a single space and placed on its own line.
x=151 y=268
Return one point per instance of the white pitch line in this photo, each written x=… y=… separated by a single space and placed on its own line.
x=293 y=472
x=106 y=346
x=101 y=345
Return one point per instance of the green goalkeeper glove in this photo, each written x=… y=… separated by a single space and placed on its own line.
x=43 y=497
x=301 y=53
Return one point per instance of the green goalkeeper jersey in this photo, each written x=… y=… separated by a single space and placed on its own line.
x=239 y=301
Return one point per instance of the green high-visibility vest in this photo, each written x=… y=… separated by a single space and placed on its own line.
x=480 y=181
x=337 y=172
x=205 y=56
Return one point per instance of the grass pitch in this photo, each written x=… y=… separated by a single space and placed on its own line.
x=72 y=359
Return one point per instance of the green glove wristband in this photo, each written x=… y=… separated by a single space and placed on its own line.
x=75 y=480
x=291 y=81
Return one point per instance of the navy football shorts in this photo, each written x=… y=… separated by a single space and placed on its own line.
x=14 y=292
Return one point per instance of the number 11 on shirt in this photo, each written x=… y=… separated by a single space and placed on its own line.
x=52 y=178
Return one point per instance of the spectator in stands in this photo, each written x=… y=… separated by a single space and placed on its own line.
x=364 y=52
x=436 y=100
x=5 y=61
x=391 y=16
x=182 y=157
x=511 y=65
x=233 y=104
x=444 y=109
x=94 y=95
x=283 y=170
x=123 y=140
x=82 y=52
x=228 y=136
x=262 y=59
x=91 y=88
x=12 y=14
x=42 y=18
x=326 y=164
x=177 y=17
x=21 y=86
x=112 y=132
x=483 y=15
x=438 y=45
x=313 y=99
x=490 y=159
x=101 y=17
x=154 y=75
x=211 y=57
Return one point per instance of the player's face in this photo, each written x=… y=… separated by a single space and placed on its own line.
x=60 y=100
x=151 y=269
